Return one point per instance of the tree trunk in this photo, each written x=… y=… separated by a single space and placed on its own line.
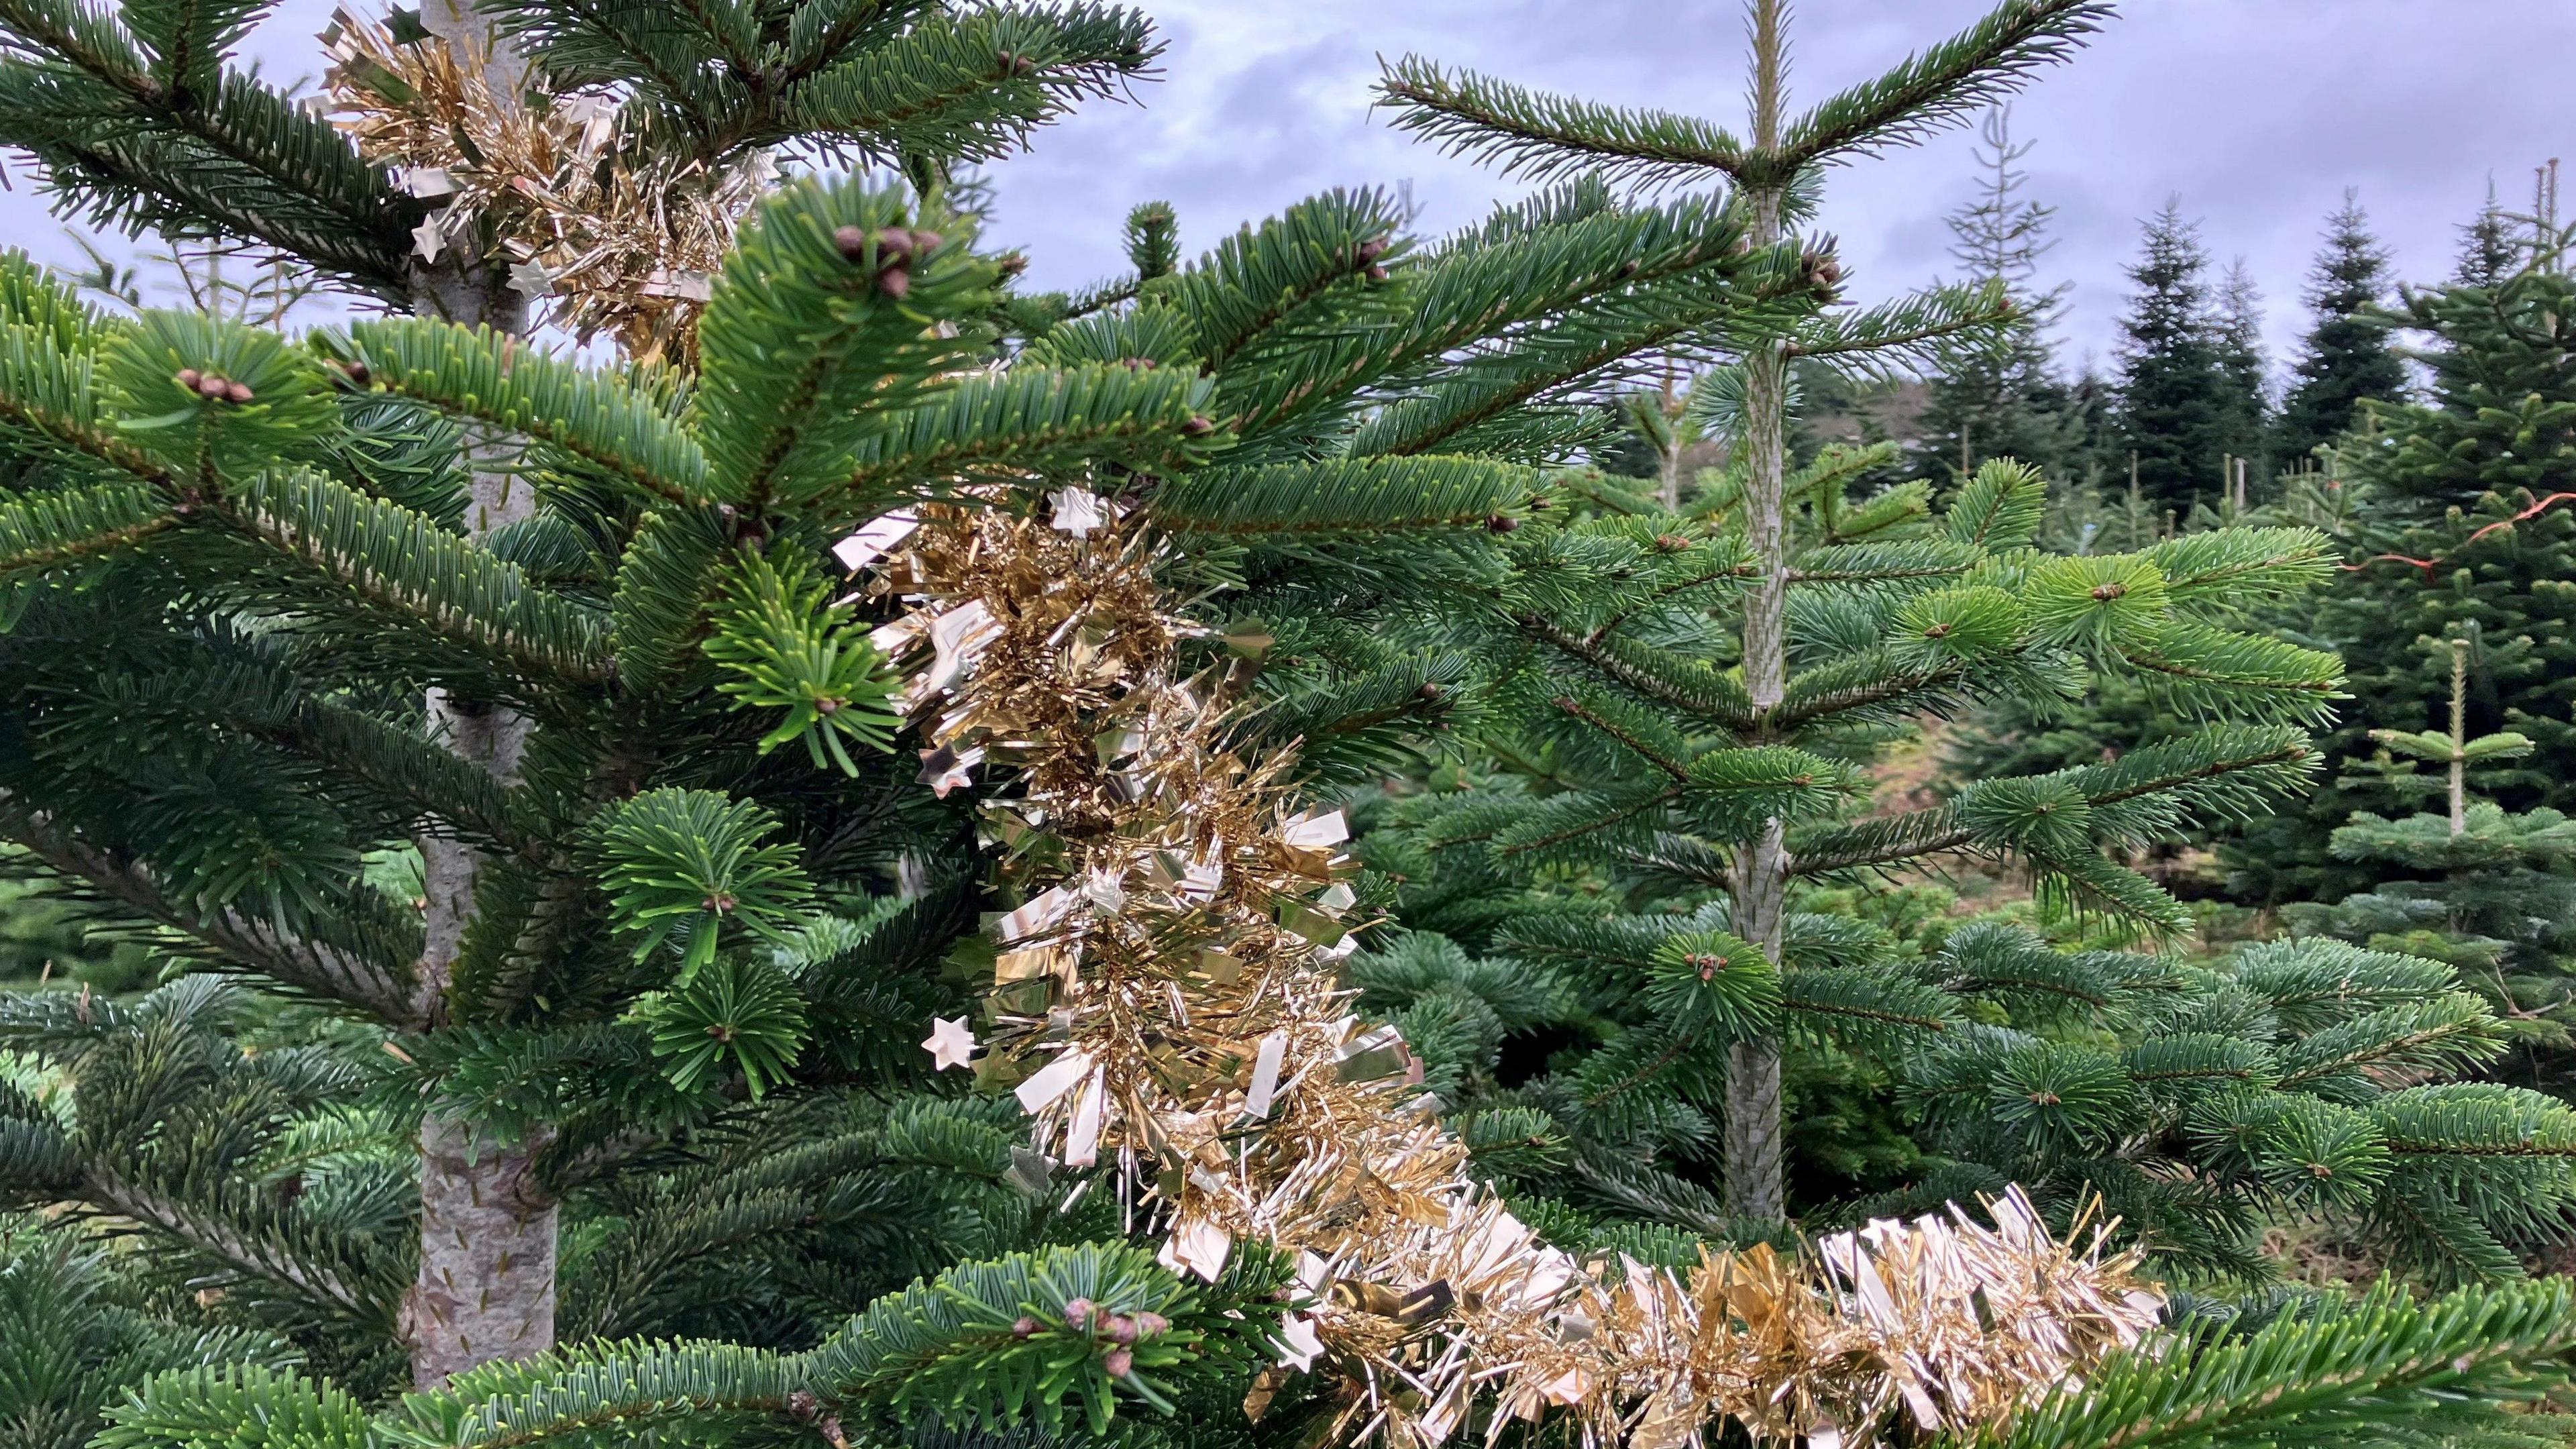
x=1753 y=1180
x=486 y=1285
x=1753 y=1183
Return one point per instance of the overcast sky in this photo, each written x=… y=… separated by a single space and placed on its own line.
x=2256 y=113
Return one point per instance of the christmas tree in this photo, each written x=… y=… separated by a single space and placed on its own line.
x=2177 y=410
x=2200 y=1101
x=1691 y=690
x=2454 y=516
x=2501 y=907
x=2346 y=357
x=2002 y=400
x=513 y=738
x=420 y=580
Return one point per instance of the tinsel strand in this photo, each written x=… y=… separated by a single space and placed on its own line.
x=611 y=235
x=1165 y=1001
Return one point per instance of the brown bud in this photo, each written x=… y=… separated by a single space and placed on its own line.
x=826 y=704
x=1024 y=1327
x=895 y=282
x=894 y=244
x=1152 y=1325
x=188 y=377
x=1119 y=1329
x=1708 y=966
x=852 y=243
x=359 y=373
x=802 y=1406
x=1136 y=364
x=926 y=242
x=237 y=392
x=1077 y=1314
x=1501 y=523
x=1011 y=264
x=1372 y=249
x=1631 y=267
x=1017 y=64
x=1119 y=1362
x=1198 y=427
x=1670 y=543
x=720 y=902
x=210 y=386
x=1429 y=693
x=1376 y=274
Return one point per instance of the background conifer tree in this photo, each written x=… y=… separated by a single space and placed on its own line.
x=2500 y=903
x=2176 y=403
x=2346 y=356
x=2455 y=523
x=2003 y=399
x=1688 y=694
x=2245 y=368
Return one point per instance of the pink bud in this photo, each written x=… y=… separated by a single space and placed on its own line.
x=1120 y=1362
x=1077 y=1314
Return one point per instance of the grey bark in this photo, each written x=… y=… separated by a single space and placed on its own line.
x=486 y=1285
x=1753 y=1130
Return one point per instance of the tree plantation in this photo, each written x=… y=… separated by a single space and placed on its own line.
x=645 y=798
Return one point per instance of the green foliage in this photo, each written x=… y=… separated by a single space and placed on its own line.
x=2346 y=358
x=677 y=863
x=784 y=648
x=2385 y=1369
x=70 y=1339
x=2458 y=483
x=241 y=1406
x=804 y=354
x=731 y=1016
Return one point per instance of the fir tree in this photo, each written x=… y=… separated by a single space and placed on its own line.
x=2202 y=1102
x=2346 y=356
x=623 y=995
x=409 y=522
x=2001 y=400
x=2501 y=904
x=1688 y=692
x=2456 y=528
x=2246 y=371
x=2175 y=402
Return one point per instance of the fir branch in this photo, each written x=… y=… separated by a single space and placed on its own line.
x=408 y=571
x=2369 y=1371
x=489 y=377
x=1941 y=87
x=1012 y=426
x=1911 y=331
x=1719 y=703
x=49 y=530
x=1545 y=137
x=1881 y=841
x=209 y=1233
x=380 y=987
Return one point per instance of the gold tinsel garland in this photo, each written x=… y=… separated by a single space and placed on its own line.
x=612 y=236
x=1165 y=1000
